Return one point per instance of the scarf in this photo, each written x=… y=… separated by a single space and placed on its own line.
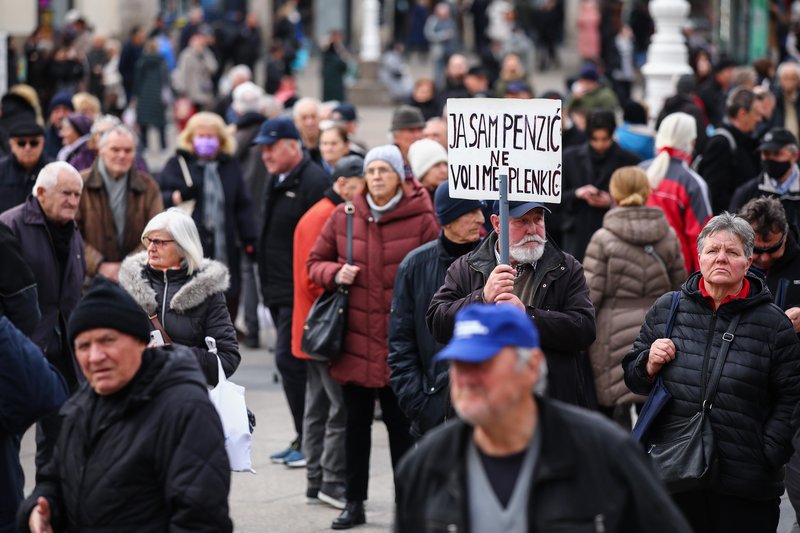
x=379 y=211
x=679 y=154
x=213 y=217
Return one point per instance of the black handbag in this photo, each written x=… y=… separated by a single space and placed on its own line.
x=684 y=453
x=326 y=323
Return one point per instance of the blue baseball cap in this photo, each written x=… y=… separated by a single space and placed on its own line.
x=517 y=209
x=482 y=330
x=275 y=129
x=345 y=111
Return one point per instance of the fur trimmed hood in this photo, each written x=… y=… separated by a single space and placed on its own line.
x=210 y=278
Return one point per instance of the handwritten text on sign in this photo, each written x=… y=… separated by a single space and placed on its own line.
x=488 y=136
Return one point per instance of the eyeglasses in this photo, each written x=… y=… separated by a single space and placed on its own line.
x=22 y=143
x=772 y=249
x=158 y=243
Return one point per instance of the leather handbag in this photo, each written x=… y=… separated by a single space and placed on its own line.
x=659 y=395
x=684 y=453
x=326 y=323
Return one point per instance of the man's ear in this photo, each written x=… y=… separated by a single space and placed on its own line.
x=495 y=220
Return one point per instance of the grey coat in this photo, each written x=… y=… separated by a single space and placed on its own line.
x=189 y=307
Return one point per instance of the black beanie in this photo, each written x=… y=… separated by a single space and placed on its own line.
x=107 y=305
x=448 y=209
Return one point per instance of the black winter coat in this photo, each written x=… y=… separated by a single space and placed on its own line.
x=724 y=169
x=578 y=220
x=589 y=475
x=31 y=388
x=249 y=157
x=150 y=458
x=421 y=386
x=189 y=307
x=783 y=278
x=16 y=183
x=758 y=391
x=561 y=309
x=151 y=77
x=283 y=205
x=19 y=298
x=761 y=186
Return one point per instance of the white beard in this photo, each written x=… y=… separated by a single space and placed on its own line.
x=525 y=254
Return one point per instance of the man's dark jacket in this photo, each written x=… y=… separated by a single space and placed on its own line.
x=19 y=298
x=577 y=219
x=561 y=309
x=283 y=205
x=589 y=476
x=16 y=183
x=758 y=391
x=148 y=458
x=31 y=388
x=249 y=157
x=58 y=295
x=761 y=186
x=421 y=386
x=725 y=170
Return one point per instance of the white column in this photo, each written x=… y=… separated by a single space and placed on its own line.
x=668 y=56
x=370 y=33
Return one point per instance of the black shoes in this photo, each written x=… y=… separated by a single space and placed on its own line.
x=353 y=515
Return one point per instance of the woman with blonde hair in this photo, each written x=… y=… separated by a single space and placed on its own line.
x=677 y=189
x=631 y=261
x=204 y=171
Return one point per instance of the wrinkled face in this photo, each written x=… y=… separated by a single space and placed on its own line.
x=27 y=150
x=67 y=133
x=332 y=146
x=722 y=260
x=61 y=202
x=789 y=80
x=162 y=250
x=768 y=250
x=526 y=235
x=405 y=137
x=436 y=175
x=382 y=181
x=436 y=130
x=307 y=121
x=466 y=228
x=483 y=392
x=118 y=152
x=280 y=156
x=350 y=187
x=601 y=141
x=108 y=358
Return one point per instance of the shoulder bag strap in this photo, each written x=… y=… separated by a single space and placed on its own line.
x=187 y=177
x=157 y=324
x=349 y=209
x=711 y=388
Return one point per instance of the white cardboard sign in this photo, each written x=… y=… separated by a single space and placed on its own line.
x=490 y=136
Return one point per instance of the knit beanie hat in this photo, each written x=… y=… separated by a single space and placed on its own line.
x=423 y=155
x=389 y=153
x=448 y=209
x=107 y=305
x=80 y=122
x=62 y=98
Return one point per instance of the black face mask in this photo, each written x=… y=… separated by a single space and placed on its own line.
x=775 y=169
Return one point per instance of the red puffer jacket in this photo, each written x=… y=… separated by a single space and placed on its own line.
x=378 y=249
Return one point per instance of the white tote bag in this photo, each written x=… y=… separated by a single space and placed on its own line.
x=228 y=398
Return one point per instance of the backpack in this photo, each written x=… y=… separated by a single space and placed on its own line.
x=718 y=132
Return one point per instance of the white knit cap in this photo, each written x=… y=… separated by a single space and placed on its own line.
x=423 y=154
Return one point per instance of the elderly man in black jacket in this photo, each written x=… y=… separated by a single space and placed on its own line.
x=141 y=446
x=543 y=281
x=420 y=384
x=519 y=462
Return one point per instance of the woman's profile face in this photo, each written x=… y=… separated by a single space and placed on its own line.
x=722 y=260
x=162 y=250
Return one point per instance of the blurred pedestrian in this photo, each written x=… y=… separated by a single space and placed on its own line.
x=153 y=93
x=334 y=67
x=19 y=169
x=193 y=76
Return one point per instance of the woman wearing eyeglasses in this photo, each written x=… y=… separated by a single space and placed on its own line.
x=183 y=293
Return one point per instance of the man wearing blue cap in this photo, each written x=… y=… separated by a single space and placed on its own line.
x=518 y=462
x=544 y=282
x=294 y=184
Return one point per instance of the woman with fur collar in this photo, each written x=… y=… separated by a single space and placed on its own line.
x=183 y=293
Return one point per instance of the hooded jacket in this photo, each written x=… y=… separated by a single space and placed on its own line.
x=758 y=390
x=378 y=248
x=189 y=307
x=149 y=458
x=631 y=261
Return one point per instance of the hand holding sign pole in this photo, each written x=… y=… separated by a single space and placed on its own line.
x=521 y=137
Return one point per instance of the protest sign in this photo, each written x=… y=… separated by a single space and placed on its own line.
x=488 y=137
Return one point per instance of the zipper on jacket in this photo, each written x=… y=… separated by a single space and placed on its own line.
x=164 y=302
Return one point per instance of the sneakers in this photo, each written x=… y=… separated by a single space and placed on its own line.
x=280 y=457
x=295 y=459
x=312 y=495
x=333 y=494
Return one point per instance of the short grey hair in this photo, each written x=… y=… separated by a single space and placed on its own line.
x=121 y=129
x=48 y=176
x=104 y=121
x=183 y=229
x=306 y=100
x=731 y=223
x=247 y=98
x=785 y=67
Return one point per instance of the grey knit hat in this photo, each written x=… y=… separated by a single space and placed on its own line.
x=389 y=153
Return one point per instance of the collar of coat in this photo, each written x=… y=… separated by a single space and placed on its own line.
x=483 y=259
x=210 y=278
x=94 y=180
x=33 y=215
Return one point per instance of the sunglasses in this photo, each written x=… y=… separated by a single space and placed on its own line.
x=22 y=143
x=772 y=249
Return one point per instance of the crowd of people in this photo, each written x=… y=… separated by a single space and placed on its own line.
x=115 y=275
